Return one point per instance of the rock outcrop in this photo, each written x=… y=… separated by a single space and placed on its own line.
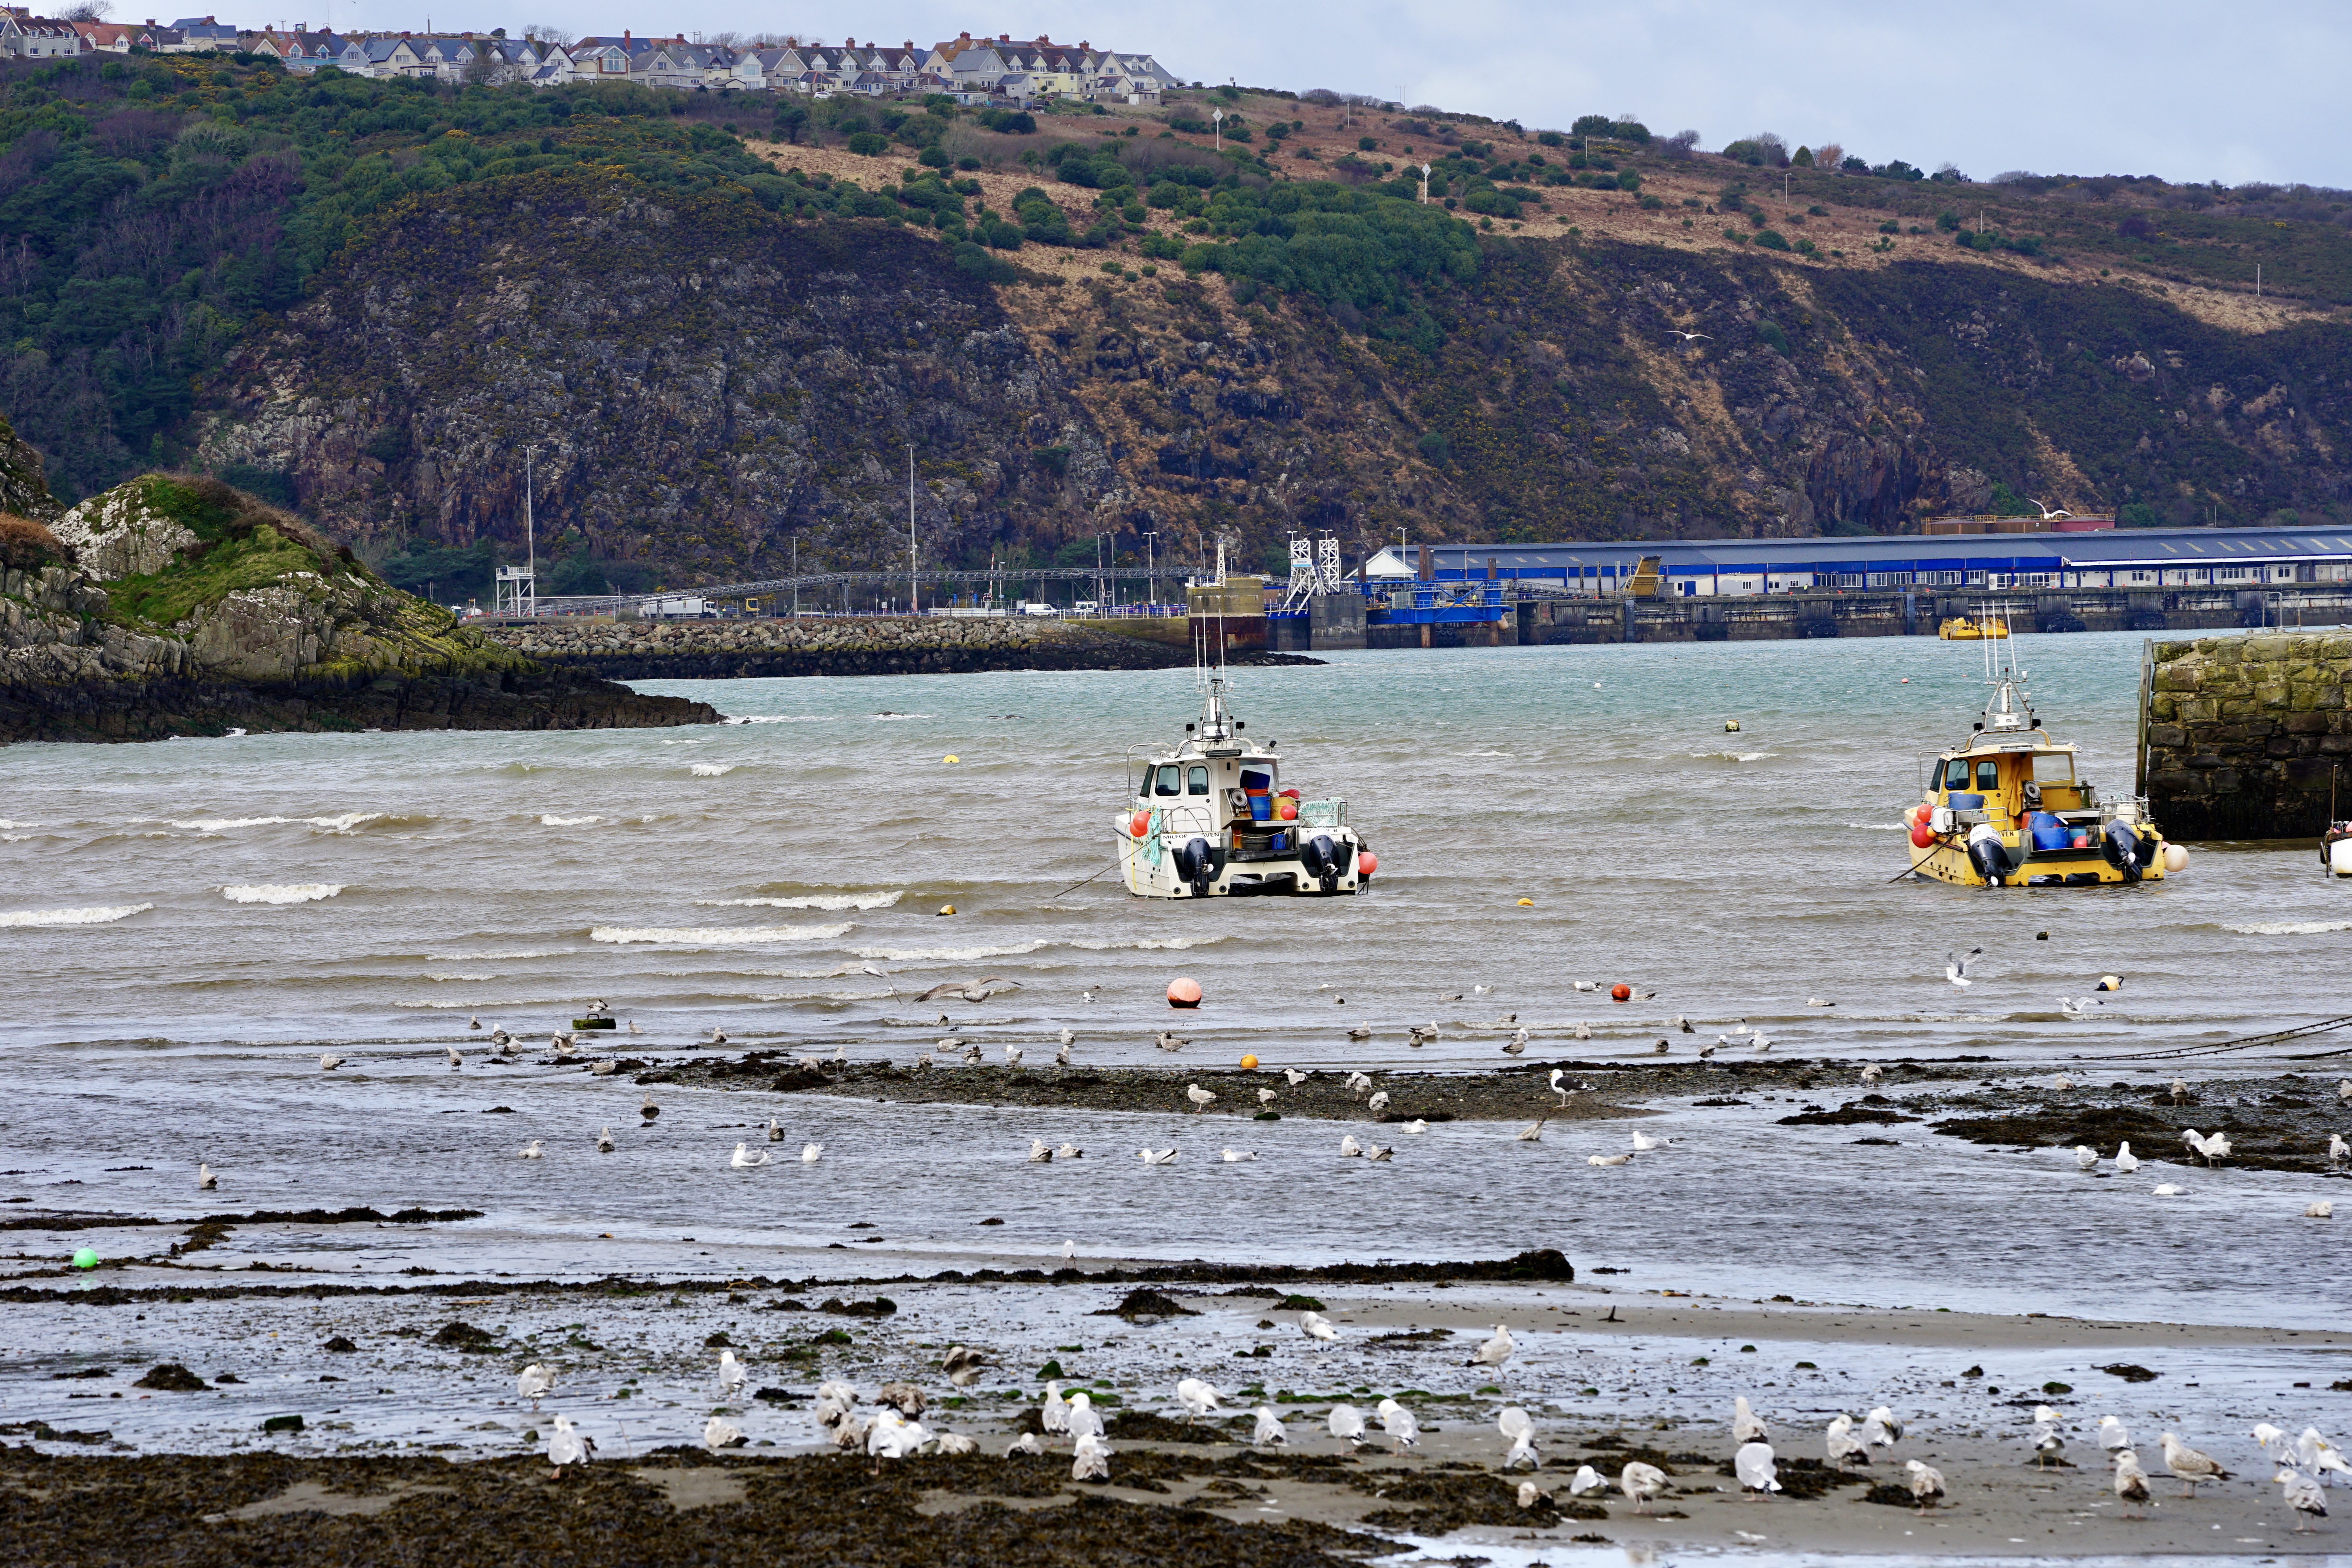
x=178 y=605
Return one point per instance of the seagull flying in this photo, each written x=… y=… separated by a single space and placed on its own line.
x=1956 y=968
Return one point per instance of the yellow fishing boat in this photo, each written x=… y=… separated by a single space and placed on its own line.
x=2008 y=809
x=1960 y=629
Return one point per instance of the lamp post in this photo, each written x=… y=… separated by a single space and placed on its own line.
x=1151 y=576
x=1217 y=128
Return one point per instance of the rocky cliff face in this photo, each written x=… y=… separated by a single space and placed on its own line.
x=703 y=384
x=177 y=605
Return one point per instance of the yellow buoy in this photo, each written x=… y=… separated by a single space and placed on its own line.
x=950 y=757
x=1731 y=726
x=1526 y=903
x=1248 y=1062
x=947 y=909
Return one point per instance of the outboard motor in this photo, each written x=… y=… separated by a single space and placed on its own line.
x=2121 y=848
x=1196 y=863
x=1323 y=860
x=1985 y=852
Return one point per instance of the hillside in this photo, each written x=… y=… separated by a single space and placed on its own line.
x=717 y=337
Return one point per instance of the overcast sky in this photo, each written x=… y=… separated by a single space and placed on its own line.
x=2190 y=91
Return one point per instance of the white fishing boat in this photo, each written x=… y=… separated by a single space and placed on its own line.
x=1211 y=819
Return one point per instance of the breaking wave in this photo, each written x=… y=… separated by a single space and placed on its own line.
x=835 y=902
x=568 y=821
x=950 y=955
x=2290 y=928
x=712 y=770
x=280 y=892
x=717 y=936
x=98 y=915
x=1147 y=943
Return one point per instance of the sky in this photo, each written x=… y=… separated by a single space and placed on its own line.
x=2189 y=91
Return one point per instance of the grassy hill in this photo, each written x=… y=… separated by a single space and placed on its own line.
x=716 y=324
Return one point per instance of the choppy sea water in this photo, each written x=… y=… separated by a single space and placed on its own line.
x=185 y=923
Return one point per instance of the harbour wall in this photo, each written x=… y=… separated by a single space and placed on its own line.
x=2246 y=737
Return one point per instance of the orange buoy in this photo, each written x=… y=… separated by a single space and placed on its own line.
x=1249 y=1064
x=1621 y=992
x=1184 y=993
x=1367 y=863
x=1922 y=836
x=1139 y=824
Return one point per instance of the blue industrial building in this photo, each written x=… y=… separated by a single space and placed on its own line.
x=2135 y=558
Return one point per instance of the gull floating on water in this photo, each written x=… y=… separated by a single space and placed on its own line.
x=1533 y=1131
x=2321 y=1209
x=456 y=1057
x=2085 y=1157
x=534 y=1383
x=1040 y=1151
x=1069 y=1151
x=206 y=1181
x=1375 y=1153
x=1157 y=1156
x=648 y=1109
x=812 y=1153
x=1167 y=1042
x=1349 y=1148
x=1609 y=1158
x=744 y=1159
x=604 y=1140
x=529 y=1151
x=1515 y=1043
x=1416 y=1127
x=775 y=1130
x=329 y=1062
x=1234 y=1157
x=1643 y=1141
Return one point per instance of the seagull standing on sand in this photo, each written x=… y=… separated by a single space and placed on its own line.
x=2303 y=1495
x=732 y=1375
x=1201 y=1097
x=1586 y=1480
x=1347 y=1422
x=1880 y=1429
x=1268 y=1432
x=720 y=1433
x=1197 y=1397
x=2113 y=1434
x=1495 y=1351
x=1746 y=1426
x=2125 y=1161
x=1843 y=1448
x=456 y=1057
x=534 y=1384
x=2048 y=1444
x=566 y=1448
x=1753 y=1467
x=1956 y=968
x=1926 y=1484
x=1318 y=1327
x=2189 y=1466
x=2131 y=1481
x=329 y=1062
x=1641 y=1482
x=1399 y=1423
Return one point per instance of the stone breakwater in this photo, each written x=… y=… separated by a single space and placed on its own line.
x=865 y=645
x=2242 y=737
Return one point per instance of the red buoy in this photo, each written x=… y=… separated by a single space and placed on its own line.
x=1922 y=836
x=1367 y=863
x=1621 y=992
x=1139 y=824
x=1184 y=993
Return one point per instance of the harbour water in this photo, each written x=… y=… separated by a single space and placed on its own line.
x=188 y=924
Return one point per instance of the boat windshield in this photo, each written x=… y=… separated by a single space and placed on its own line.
x=1170 y=779
x=2053 y=767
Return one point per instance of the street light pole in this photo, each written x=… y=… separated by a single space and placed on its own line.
x=914 y=595
x=1151 y=576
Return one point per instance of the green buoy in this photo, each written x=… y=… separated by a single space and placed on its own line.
x=85 y=1258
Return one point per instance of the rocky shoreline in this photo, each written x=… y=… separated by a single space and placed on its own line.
x=865 y=645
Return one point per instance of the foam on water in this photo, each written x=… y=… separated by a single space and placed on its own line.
x=717 y=936
x=711 y=770
x=280 y=892
x=950 y=955
x=104 y=915
x=2290 y=928
x=568 y=821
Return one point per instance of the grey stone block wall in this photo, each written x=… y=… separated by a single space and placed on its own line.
x=2244 y=735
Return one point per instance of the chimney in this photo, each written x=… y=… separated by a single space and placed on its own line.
x=965 y=37
x=1004 y=37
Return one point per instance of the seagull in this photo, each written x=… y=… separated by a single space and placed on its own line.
x=1378 y=1153
x=1295 y=1076
x=1641 y=1482
x=2168 y=1189
x=1062 y=1057
x=1872 y=1073
x=1268 y=1432
x=1359 y=1034
x=2189 y=1466
x=1069 y=1248
x=1399 y=1423
x=1201 y=1097
x=206 y=1181
x=720 y=1433
x=501 y=1038
x=456 y=1057
x=1515 y=1043
x=475 y=1021
x=634 y=1028
x=2337 y=1150
x=1349 y=1148
x=1880 y=1429
x=2061 y=1083
x=744 y=1159
x=812 y=1153
x=1265 y=1097
x=1533 y=1131
x=2047 y=1444
x=1157 y=1156
x=1198 y=1398
x=1455 y=996
x=1069 y=1151
x=1688 y=337
x=1843 y=1448
x=1040 y=1151
x=329 y=1062
x=1927 y=1483
x=1347 y=1422
x=1357 y=1084
x=530 y=1150
x=2213 y=1147
x=1583 y=1030
x=1013 y=1057
x=566 y=1448
x=1609 y=1158
x=1531 y=1494
x=1167 y=1042
x=1378 y=1103
x=2319 y=1456
x=732 y=1375
x=1557 y=1074
x=534 y=1384
x=1026 y=1444
x=1318 y=1327
x=972 y=991
x=2125 y=1161
x=1642 y=1142
x=1956 y=968
x=717 y=1036
x=2303 y=1495
x=1234 y=1157
x=1753 y=1465
x=1091 y=1460
x=1416 y=1127
x=1746 y=1426
x=2273 y=1442
x=1586 y=1480
x=1588 y=985
x=2112 y=1434
x=2179 y=1089
x=2131 y=1481
x=1054 y=1413
x=1067 y=1037
x=2344 y=1089
x=971 y=1058
x=1495 y=1351
x=2085 y=1157
x=648 y=1109
x=2078 y=1007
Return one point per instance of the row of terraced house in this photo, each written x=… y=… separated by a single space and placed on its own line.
x=971 y=70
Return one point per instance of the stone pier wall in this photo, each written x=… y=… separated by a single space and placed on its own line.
x=2242 y=736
